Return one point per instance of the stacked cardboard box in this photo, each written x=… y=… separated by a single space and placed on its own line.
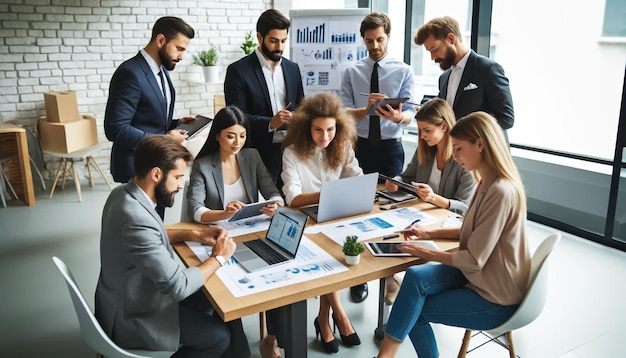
x=63 y=130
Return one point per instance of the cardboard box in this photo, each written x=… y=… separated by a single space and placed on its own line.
x=68 y=137
x=61 y=107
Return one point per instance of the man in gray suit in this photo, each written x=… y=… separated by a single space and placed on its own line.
x=470 y=82
x=144 y=298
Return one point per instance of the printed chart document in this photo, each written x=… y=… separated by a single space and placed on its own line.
x=245 y=226
x=375 y=225
x=311 y=262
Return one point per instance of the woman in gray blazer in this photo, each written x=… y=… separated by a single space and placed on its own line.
x=224 y=177
x=439 y=179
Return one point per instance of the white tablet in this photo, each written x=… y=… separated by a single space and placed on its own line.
x=250 y=210
x=384 y=248
x=390 y=249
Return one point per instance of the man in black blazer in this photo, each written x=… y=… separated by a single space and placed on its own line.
x=141 y=95
x=471 y=82
x=267 y=88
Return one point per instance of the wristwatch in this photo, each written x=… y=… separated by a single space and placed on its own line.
x=220 y=259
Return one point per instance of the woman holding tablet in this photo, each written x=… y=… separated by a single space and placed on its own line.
x=319 y=148
x=224 y=177
x=438 y=179
x=481 y=285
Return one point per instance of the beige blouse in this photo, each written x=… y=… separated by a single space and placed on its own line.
x=493 y=250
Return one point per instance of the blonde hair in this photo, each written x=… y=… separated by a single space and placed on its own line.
x=321 y=105
x=495 y=154
x=436 y=111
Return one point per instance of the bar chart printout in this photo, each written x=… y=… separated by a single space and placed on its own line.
x=311 y=34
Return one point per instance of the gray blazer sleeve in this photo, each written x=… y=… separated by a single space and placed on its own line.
x=457 y=184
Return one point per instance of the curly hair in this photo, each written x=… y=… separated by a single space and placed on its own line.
x=321 y=105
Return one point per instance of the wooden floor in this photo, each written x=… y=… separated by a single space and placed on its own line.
x=585 y=315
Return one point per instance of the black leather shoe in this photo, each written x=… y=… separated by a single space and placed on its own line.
x=359 y=293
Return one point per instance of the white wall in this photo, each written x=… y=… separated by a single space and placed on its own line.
x=55 y=45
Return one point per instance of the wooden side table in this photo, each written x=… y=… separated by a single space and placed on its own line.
x=13 y=142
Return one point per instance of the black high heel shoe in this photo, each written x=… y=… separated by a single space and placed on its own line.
x=329 y=347
x=350 y=340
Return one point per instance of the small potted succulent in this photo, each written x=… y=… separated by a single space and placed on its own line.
x=208 y=60
x=352 y=250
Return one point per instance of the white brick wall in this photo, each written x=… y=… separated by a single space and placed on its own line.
x=56 y=45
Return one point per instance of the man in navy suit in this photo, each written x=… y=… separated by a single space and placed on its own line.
x=267 y=88
x=471 y=82
x=141 y=95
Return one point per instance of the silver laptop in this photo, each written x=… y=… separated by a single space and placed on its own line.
x=280 y=244
x=344 y=197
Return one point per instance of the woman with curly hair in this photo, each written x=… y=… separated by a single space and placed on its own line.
x=318 y=148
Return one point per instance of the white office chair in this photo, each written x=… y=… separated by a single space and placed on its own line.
x=531 y=305
x=90 y=329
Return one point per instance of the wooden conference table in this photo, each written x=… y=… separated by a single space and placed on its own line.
x=295 y=296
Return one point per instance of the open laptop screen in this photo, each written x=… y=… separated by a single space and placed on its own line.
x=286 y=230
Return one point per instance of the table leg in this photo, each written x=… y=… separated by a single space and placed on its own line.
x=383 y=311
x=296 y=345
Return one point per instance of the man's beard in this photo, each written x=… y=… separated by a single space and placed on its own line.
x=274 y=56
x=168 y=63
x=447 y=62
x=164 y=197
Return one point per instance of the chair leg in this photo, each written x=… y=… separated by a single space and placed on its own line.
x=509 y=338
x=56 y=177
x=4 y=203
x=465 y=344
x=93 y=161
x=262 y=325
x=76 y=180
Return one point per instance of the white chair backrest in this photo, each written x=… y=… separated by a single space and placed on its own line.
x=532 y=305
x=90 y=329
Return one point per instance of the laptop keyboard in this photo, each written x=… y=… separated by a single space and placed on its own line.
x=265 y=252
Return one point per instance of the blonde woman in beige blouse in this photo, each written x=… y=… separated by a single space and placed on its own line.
x=480 y=286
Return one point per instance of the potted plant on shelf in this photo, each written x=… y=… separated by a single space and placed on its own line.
x=248 y=45
x=208 y=60
x=352 y=249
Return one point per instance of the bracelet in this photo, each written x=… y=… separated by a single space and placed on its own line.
x=400 y=121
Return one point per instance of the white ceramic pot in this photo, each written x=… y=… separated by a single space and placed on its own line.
x=211 y=73
x=352 y=260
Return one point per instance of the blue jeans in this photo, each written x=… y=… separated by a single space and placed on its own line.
x=437 y=293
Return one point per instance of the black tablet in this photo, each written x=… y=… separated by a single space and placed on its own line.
x=383 y=248
x=406 y=186
x=195 y=126
x=394 y=102
x=250 y=210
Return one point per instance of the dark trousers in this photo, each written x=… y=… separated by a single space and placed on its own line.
x=204 y=334
x=386 y=158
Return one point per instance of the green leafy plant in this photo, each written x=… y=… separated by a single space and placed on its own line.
x=206 y=57
x=248 y=45
x=352 y=247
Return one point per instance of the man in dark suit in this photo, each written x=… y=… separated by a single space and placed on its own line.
x=141 y=95
x=471 y=82
x=267 y=88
